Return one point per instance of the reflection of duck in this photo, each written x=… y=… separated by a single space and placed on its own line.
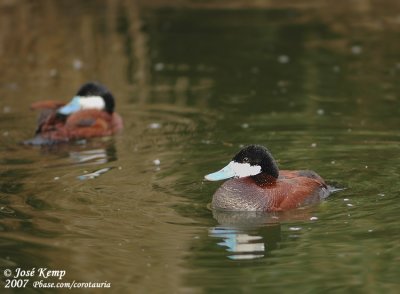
x=246 y=234
x=259 y=186
x=89 y=114
x=240 y=244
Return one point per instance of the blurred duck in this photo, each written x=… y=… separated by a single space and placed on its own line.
x=256 y=184
x=89 y=114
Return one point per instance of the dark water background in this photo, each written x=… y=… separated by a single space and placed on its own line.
x=316 y=82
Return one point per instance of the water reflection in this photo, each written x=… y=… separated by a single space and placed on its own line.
x=254 y=234
x=243 y=245
x=94 y=174
x=246 y=235
x=96 y=156
x=287 y=75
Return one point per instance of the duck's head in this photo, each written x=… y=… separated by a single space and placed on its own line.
x=90 y=96
x=252 y=161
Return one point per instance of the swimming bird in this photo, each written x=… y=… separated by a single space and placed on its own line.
x=89 y=114
x=256 y=184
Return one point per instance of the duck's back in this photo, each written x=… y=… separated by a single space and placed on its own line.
x=291 y=190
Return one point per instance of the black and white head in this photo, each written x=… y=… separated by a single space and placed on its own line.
x=251 y=161
x=90 y=96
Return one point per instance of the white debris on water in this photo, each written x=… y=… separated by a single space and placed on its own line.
x=320 y=111
x=56 y=178
x=313 y=218
x=207 y=142
x=350 y=205
x=282 y=83
x=346 y=199
x=159 y=66
x=53 y=72
x=156 y=162
x=6 y=109
x=154 y=126
x=333 y=162
x=77 y=64
x=356 y=49
x=245 y=126
x=255 y=70
x=283 y=59
x=313 y=145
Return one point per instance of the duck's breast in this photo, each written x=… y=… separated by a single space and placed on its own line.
x=242 y=195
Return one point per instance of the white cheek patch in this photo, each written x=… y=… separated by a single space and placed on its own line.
x=242 y=170
x=92 y=102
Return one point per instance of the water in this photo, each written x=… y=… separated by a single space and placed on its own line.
x=317 y=84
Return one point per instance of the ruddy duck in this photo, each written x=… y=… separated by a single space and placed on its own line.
x=89 y=114
x=258 y=185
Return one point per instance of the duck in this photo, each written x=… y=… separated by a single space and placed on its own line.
x=90 y=113
x=255 y=183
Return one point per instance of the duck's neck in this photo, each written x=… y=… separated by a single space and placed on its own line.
x=264 y=179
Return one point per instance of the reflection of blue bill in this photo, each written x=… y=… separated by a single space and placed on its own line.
x=240 y=243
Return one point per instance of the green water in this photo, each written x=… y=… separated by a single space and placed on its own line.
x=316 y=83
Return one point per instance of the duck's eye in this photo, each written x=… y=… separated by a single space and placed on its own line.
x=245 y=160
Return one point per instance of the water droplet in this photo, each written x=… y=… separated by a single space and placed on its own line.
x=154 y=126
x=53 y=72
x=159 y=66
x=282 y=83
x=77 y=64
x=255 y=70
x=283 y=59
x=356 y=49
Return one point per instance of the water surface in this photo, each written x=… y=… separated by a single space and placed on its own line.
x=317 y=84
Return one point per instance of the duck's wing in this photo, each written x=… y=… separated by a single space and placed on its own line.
x=290 y=174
